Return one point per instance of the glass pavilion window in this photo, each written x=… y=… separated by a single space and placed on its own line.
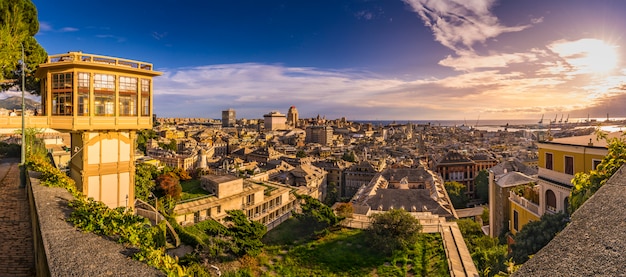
x=104 y=94
x=145 y=97
x=83 y=93
x=62 y=94
x=128 y=96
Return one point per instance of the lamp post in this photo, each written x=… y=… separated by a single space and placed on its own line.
x=23 y=158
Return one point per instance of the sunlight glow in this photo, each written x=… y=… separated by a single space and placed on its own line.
x=588 y=55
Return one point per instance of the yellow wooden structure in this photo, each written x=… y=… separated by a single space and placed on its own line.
x=101 y=101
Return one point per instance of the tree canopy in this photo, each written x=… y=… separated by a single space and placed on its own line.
x=393 y=230
x=18 y=25
x=456 y=192
x=482 y=185
x=145 y=175
x=586 y=184
x=314 y=210
x=246 y=233
x=536 y=234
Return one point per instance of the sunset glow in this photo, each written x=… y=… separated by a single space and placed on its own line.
x=402 y=59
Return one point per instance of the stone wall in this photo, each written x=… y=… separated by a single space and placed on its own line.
x=62 y=250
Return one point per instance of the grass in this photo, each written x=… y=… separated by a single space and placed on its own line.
x=291 y=250
x=192 y=189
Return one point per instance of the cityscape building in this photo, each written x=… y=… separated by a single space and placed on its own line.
x=292 y=116
x=274 y=121
x=229 y=118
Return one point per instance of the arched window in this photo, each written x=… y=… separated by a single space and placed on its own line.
x=550 y=200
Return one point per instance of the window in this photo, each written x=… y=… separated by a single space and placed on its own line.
x=595 y=163
x=62 y=82
x=569 y=165
x=145 y=97
x=128 y=96
x=83 y=93
x=515 y=220
x=62 y=103
x=104 y=94
x=62 y=94
x=104 y=82
x=550 y=201
x=104 y=104
x=549 y=161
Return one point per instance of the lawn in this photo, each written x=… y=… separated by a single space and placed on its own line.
x=191 y=190
x=292 y=250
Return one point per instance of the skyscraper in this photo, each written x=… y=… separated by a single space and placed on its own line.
x=292 y=116
x=228 y=118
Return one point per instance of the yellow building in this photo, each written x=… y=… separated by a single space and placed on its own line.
x=559 y=160
x=101 y=101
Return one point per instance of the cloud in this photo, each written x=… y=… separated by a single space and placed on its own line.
x=107 y=36
x=469 y=61
x=585 y=55
x=254 y=89
x=47 y=27
x=44 y=26
x=68 y=29
x=366 y=15
x=159 y=36
x=459 y=24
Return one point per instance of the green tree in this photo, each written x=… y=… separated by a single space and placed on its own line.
x=18 y=25
x=456 y=191
x=586 y=184
x=536 y=234
x=315 y=211
x=172 y=145
x=482 y=185
x=395 y=229
x=301 y=154
x=488 y=255
x=349 y=156
x=332 y=194
x=246 y=233
x=145 y=175
x=143 y=136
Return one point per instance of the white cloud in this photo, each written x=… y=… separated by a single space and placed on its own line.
x=68 y=29
x=469 y=60
x=459 y=24
x=44 y=26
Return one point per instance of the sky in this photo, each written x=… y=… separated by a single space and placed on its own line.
x=360 y=59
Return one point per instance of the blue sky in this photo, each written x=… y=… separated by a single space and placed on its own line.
x=363 y=59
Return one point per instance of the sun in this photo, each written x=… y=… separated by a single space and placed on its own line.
x=589 y=55
x=601 y=57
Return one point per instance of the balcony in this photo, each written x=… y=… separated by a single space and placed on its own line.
x=79 y=57
x=527 y=204
x=555 y=176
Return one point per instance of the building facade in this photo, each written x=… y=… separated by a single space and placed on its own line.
x=229 y=118
x=274 y=121
x=292 y=117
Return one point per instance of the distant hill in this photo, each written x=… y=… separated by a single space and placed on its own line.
x=15 y=102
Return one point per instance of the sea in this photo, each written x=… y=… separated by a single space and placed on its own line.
x=614 y=124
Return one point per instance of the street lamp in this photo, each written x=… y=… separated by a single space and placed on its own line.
x=23 y=159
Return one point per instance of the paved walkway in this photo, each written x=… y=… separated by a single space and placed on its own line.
x=16 y=238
